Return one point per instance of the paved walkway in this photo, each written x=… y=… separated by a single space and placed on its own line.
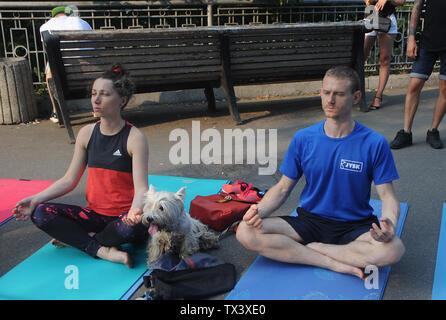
x=41 y=151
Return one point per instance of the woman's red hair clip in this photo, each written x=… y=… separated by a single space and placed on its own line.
x=116 y=70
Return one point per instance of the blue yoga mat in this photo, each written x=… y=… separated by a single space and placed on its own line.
x=68 y=274
x=267 y=279
x=439 y=286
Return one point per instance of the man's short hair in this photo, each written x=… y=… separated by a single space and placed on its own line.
x=345 y=72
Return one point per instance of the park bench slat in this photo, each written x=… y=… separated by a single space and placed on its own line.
x=146 y=58
x=160 y=71
x=292 y=27
x=288 y=51
x=284 y=45
x=247 y=61
x=286 y=71
x=293 y=37
x=124 y=43
x=277 y=64
x=237 y=49
x=164 y=65
x=153 y=50
x=138 y=34
x=147 y=84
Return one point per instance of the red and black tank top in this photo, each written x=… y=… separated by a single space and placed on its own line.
x=110 y=182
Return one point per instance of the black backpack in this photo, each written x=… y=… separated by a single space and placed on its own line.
x=194 y=283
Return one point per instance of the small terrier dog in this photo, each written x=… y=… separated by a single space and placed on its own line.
x=171 y=228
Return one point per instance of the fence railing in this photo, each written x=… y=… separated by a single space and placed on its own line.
x=19 y=24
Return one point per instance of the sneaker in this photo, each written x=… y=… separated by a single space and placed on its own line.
x=54 y=118
x=402 y=139
x=238 y=187
x=251 y=194
x=433 y=138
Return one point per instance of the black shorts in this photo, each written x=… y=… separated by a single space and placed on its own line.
x=314 y=228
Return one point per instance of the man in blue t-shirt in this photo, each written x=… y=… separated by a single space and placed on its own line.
x=340 y=158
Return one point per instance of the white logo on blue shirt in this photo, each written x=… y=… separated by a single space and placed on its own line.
x=117 y=153
x=349 y=165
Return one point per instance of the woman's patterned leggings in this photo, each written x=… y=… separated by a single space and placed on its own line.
x=72 y=225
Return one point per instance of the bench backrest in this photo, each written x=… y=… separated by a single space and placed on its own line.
x=186 y=58
x=292 y=52
x=157 y=60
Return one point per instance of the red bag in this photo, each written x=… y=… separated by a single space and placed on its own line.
x=218 y=211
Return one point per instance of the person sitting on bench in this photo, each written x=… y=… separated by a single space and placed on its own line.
x=335 y=227
x=116 y=154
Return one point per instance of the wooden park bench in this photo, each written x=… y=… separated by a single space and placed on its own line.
x=204 y=57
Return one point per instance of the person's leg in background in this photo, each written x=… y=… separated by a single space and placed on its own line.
x=48 y=75
x=421 y=71
x=385 y=41
x=433 y=135
x=369 y=42
x=411 y=102
x=440 y=105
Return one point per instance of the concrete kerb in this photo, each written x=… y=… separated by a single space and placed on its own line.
x=281 y=90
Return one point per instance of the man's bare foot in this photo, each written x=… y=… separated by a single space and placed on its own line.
x=337 y=265
x=347 y=269
x=114 y=255
x=58 y=243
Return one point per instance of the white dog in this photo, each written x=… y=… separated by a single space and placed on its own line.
x=171 y=228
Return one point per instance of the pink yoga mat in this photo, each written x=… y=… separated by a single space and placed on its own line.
x=12 y=191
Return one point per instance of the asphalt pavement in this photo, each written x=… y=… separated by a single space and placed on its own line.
x=40 y=151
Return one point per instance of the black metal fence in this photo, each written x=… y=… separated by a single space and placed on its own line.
x=20 y=22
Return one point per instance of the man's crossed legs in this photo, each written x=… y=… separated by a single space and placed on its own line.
x=278 y=240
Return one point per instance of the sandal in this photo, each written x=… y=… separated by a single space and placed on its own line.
x=372 y=107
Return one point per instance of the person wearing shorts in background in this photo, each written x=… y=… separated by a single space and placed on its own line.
x=340 y=158
x=432 y=47
x=62 y=18
x=385 y=40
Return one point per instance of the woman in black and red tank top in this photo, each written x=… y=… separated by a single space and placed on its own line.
x=116 y=154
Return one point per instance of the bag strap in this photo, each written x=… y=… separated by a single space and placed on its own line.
x=232 y=227
x=228 y=197
x=229 y=229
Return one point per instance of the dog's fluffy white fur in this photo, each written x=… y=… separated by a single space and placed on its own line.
x=171 y=228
